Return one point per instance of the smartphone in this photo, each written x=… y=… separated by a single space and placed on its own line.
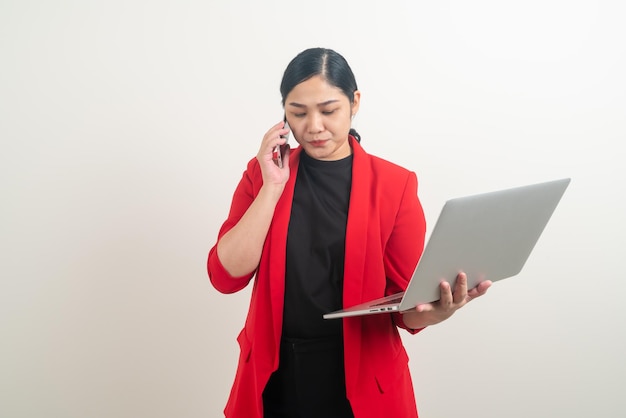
x=277 y=154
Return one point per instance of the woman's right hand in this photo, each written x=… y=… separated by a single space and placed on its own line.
x=240 y=249
x=272 y=174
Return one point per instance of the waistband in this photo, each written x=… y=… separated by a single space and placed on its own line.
x=303 y=345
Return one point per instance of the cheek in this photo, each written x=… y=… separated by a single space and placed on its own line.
x=297 y=132
x=340 y=126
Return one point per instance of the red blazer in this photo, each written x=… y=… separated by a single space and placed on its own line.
x=384 y=240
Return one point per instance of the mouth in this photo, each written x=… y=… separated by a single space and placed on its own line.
x=319 y=142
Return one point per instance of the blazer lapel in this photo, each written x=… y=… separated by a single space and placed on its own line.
x=354 y=264
x=357 y=227
x=278 y=240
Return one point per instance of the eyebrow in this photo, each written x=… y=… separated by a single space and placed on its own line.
x=327 y=102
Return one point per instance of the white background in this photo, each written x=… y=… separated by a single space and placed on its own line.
x=126 y=125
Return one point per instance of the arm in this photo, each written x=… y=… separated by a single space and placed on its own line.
x=240 y=248
x=241 y=238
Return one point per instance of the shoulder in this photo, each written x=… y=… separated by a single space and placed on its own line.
x=385 y=166
x=253 y=171
x=380 y=167
x=253 y=165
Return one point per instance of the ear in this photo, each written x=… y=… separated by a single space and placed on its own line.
x=356 y=102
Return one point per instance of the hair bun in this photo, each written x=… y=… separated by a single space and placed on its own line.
x=355 y=134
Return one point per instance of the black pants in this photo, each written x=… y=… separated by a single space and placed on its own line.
x=309 y=383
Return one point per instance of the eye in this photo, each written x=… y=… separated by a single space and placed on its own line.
x=328 y=110
x=299 y=115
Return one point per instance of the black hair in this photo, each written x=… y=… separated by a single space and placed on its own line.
x=323 y=62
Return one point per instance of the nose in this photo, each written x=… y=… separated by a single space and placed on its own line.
x=314 y=123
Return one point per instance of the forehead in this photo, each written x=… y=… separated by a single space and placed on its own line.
x=316 y=90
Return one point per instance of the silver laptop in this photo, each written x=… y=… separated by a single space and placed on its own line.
x=488 y=236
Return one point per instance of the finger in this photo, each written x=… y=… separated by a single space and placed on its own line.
x=445 y=299
x=460 y=288
x=284 y=130
x=276 y=131
x=425 y=307
x=283 y=136
x=272 y=139
x=480 y=289
x=279 y=125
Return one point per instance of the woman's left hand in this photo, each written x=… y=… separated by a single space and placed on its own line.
x=450 y=301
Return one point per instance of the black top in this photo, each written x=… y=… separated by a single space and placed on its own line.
x=316 y=247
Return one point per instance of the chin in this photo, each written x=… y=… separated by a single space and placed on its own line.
x=318 y=153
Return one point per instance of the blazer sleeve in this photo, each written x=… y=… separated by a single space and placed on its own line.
x=244 y=195
x=406 y=243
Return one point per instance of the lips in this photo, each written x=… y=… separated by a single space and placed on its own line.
x=319 y=142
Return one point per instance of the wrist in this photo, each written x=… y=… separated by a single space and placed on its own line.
x=271 y=192
x=416 y=320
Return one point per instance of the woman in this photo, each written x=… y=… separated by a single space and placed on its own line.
x=333 y=227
